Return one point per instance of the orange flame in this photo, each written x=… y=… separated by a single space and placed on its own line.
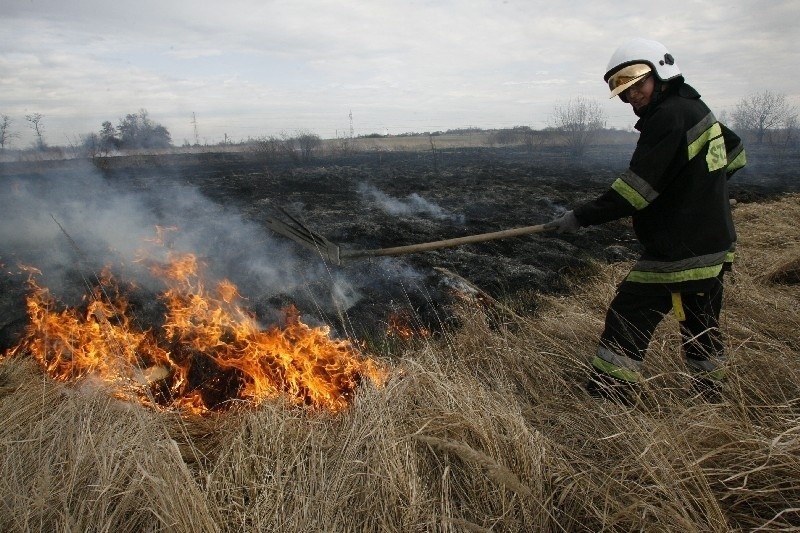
x=208 y=352
x=400 y=324
x=161 y=233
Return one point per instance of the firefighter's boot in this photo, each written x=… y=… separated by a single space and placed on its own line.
x=602 y=385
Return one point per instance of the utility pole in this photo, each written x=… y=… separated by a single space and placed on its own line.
x=351 y=123
x=194 y=124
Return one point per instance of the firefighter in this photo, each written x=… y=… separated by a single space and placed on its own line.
x=675 y=190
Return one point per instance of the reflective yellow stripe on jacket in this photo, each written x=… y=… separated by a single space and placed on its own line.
x=634 y=189
x=737 y=158
x=693 y=268
x=708 y=132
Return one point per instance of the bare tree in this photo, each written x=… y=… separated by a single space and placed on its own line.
x=5 y=131
x=289 y=148
x=760 y=113
x=35 y=122
x=267 y=148
x=273 y=149
x=308 y=143
x=784 y=140
x=579 y=120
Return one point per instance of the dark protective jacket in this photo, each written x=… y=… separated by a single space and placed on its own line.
x=676 y=190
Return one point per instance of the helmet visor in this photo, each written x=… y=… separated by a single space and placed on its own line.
x=625 y=77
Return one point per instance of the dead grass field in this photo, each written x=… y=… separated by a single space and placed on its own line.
x=486 y=429
x=423 y=143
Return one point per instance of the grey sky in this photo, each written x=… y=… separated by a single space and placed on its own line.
x=253 y=68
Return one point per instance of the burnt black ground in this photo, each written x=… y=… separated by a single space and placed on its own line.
x=476 y=190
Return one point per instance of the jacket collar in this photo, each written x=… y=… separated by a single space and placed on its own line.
x=664 y=91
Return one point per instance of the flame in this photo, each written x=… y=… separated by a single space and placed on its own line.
x=161 y=233
x=209 y=351
x=400 y=325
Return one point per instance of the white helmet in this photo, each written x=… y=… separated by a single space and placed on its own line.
x=634 y=60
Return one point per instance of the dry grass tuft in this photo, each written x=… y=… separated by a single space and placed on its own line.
x=495 y=471
x=485 y=429
x=786 y=269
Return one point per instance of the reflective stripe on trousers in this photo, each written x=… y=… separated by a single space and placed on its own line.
x=636 y=311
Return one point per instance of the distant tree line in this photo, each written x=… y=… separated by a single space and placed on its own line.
x=134 y=131
x=763 y=119
x=454 y=131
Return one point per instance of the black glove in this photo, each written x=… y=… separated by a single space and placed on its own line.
x=566 y=223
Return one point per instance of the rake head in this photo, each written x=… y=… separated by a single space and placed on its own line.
x=300 y=233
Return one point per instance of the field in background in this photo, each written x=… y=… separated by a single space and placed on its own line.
x=422 y=142
x=532 y=141
x=485 y=428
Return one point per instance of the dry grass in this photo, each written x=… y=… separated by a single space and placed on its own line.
x=485 y=430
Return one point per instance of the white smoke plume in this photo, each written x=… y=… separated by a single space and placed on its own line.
x=413 y=204
x=70 y=226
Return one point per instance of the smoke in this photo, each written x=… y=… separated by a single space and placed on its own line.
x=413 y=204
x=557 y=209
x=71 y=225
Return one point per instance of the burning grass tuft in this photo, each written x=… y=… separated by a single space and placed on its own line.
x=485 y=429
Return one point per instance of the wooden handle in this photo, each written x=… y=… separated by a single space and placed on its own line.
x=448 y=243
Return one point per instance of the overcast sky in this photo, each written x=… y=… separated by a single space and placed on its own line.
x=255 y=68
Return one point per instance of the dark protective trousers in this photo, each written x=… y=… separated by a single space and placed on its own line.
x=638 y=308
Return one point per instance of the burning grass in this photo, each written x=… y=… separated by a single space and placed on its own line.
x=209 y=352
x=484 y=429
